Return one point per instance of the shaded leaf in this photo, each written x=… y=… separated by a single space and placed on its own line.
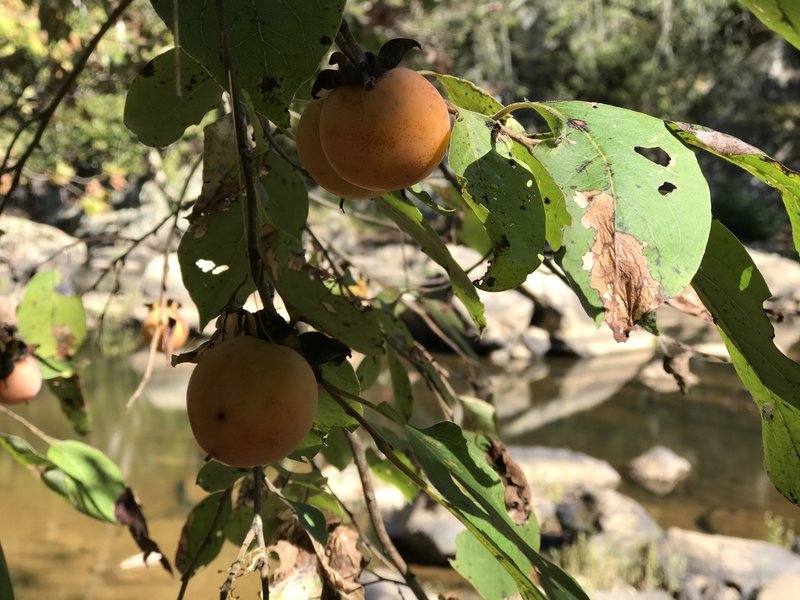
x=752 y=160
x=268 y=71
x=481 y=415
x=319 y=349
x=69 y=391
x=51 y=317
x=401 y=385
x=477 y=565
x=638 y=223
x=410 y=220
x=503 y=195
x=782 y=16
x=474 y=493
x=214 y=476
x=368 y=371
x=21 y=450
x=202 y=535
x=733 y=290
x=312 y=520
x=213 y=260
x=221 y=181
x=6 y=589
x=154 y=110
x=128 y=512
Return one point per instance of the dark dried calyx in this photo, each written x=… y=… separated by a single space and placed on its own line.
x=389 y=56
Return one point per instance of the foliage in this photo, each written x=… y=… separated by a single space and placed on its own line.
x=616 y=194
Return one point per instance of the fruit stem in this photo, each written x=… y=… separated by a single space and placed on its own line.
x=258 y=528
x=355 y=54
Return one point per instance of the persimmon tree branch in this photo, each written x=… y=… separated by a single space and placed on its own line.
x=47 y=114
x=360 y=459
x=246 y=163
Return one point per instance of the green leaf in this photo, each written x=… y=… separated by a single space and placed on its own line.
x=275 y=45
x=51 y=317
x=752 y=160
x=69 y=392
x=21 y=451
x=473 y=492
x=468 y=96
x=481 y=415
x=312 y=520
x=221 y=179
x=337 y=450
x=388 y=472
x=93 y=481
x=329 y=413
x=401 y=385
x=6 y=589
x=368 y=371
x=215 y=477
x=155 y=111
x=196 y=546
x=410 y=220
x=638 y=227
x=213 y=260
x=503 y=195
x=733 y=290
x=478 y=566
x=782 y=16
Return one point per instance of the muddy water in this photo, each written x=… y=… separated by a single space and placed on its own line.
x=57 y=554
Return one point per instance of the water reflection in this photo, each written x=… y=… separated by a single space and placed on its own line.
x=597 y=407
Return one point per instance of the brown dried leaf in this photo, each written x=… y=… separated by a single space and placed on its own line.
x=128 y=512
x=517 y=495
x=617 y=266
x=689 y=302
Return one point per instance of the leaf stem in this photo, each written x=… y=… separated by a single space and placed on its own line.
x=507 y=110
x=246 y=164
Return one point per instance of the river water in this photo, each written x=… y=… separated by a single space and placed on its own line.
x=597 y=407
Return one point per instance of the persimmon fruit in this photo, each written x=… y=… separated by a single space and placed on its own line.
x=317 y=164
x=23 y=383
x=250 y=402
x=169 y=324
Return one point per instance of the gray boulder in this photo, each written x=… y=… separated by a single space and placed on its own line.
x=27 y=247
x=783 y=587
x=701 y=587
x=659 y=470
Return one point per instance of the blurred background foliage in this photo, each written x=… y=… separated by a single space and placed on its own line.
x=704 y=61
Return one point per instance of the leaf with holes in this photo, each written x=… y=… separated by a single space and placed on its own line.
x=155 y=110
x=782 y=16
x=639 y=205
x=468 y=96
x=752 y=160
x=275 y=45
x=734 y=291
x=503 y=195
x=69 y=391
x=51 y=317
x=213 y=260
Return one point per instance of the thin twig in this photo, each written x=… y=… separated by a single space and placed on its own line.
x=360 y=458
x=187 y=575
x=235 y=569
x=28 y=425
x=246 y=163
x=273 y=143
x=69 y=81
x=258 y=530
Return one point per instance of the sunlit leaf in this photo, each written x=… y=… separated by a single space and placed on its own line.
x=478 y=566
x=276 y=45
x=51 y=316
x=473 y=492
x=202 y=534
x=639 y=204
x=752 y=160
x=410 y=220
x=782 y=16
x=312 y=520
x=21 y=450
x=468 y=96
x=154 y=109
x=93 y=481
x=503 y=195
x=733 y=290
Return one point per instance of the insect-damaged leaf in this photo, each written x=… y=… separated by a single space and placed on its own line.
x=155 y=111
x=269 y=71
x=69 y=391
x=734 y=291
x=503 y=195
x=752 y=160
x=639 y=205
